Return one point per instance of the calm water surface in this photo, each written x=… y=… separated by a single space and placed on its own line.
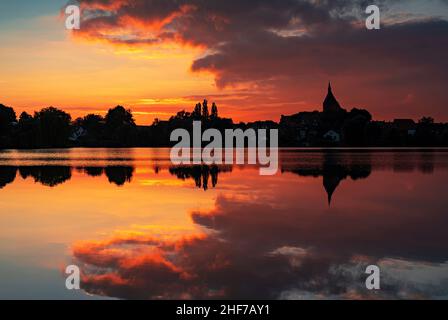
x=139 y=227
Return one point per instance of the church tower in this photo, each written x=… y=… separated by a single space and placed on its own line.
x=331 y=105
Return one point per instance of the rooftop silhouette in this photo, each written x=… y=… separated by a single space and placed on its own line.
x=334 y=168
x=331 y=104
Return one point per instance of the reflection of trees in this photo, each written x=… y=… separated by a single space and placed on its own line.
x=119 y=175
x=7 y=175
x=334 y=168
x=53 y=176
x=94 y=171
x=50 y=176
x=201 y=174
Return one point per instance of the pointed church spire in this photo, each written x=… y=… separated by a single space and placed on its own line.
x=330 y=103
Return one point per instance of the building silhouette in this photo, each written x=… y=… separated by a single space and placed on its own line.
x=331 y=104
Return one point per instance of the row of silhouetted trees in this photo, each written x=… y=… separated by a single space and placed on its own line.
x=49 y=127
x=53 y=128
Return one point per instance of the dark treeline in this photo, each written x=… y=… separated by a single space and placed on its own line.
x=54 y=128
x=333 y=127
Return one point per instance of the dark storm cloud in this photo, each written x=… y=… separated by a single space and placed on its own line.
x=211 y=22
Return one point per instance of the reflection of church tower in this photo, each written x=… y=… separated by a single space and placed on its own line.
x=331 y=105
x=337 y=167
x=331 y=182
x=333 y=173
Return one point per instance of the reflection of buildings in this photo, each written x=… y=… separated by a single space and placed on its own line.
x=201 y=174
x=334 y=167
x=334 y=171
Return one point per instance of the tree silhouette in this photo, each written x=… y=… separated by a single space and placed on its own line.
x=205 y=113
x=93 y=122
x=119 y=175
x=214 y=114
x=7 y=116
x=94 y=171
x=53 y=127
x=425 y=134
x=7 y=175
x=120 y=126
x=354 y=127
x=426 y=121
x=27 y=132
x=201 y=174
x=24 y=117
x=49 y=176
x=119 y=116
x=360 y=113
x=197 y=112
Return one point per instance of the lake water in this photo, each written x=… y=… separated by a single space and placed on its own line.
x=139 y=227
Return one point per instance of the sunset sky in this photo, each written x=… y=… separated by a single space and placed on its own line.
x=258 y=59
